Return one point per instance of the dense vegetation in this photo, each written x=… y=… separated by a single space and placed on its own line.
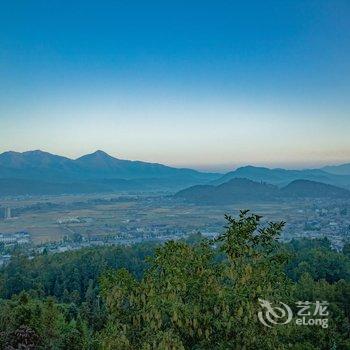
x=195 y=294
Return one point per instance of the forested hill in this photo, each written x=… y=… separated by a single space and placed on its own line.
x=230 y=192
x=200 y=295
x=307 y=188
x=238 y=190
x=281 y=177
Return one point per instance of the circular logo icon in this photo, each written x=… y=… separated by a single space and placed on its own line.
x=274 y=315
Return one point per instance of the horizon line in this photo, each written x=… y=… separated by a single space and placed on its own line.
x=218 y=168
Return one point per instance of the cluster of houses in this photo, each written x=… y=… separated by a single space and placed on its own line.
x=11 y=239
x=21 y=237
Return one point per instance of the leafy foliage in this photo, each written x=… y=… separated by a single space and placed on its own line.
x=181 y=295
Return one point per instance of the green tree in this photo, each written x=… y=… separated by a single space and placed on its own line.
x=187 y=300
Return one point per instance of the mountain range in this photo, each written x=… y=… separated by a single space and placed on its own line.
x=98 y=165
x=39 y=172
x=241 y=189
x=343 y=169
x=281 y=177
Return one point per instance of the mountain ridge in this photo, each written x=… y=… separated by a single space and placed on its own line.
x=98 y=164
x=99 y=171
x=281 y=177
x=241 y=189
x=341 y=169
x=39 y=172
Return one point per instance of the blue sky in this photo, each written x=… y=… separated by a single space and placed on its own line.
x=208 y=84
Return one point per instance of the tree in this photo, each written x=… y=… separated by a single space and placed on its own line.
x=187 y=300
x=23 y=338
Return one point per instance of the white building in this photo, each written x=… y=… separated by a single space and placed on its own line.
x=7 y=213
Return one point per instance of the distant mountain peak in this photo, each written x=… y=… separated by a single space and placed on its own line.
x=99 y=154
x=36 y=151
x=342 y=169
x=252 y=167
x=39 y=154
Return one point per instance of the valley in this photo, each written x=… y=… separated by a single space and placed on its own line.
x=97 y=199
x=129 y=218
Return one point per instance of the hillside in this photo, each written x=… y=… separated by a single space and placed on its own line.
x=37 y=165
x=78 y=298
x=281 y=177
x=101 y=165
x=98 y=165
x=343 y=169
x=38 y=172
x=230 y=192
x=313 y=189
x=238 y=190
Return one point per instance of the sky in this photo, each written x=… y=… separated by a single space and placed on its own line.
x=205 y=84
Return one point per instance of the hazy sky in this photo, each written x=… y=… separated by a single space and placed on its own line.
x=208 y=84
